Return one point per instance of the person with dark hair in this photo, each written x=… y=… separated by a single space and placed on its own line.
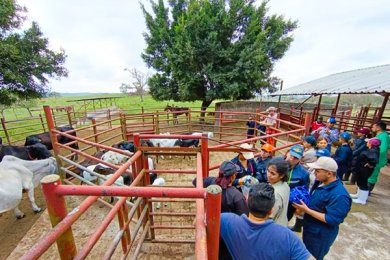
x=317 y=124
x=343 y=155
x=366 y=163
x=328 y=207
x=257 y=236
x=232 y=200
x=329 y=132
x=309 y=155
x=379 y=128
x=277 y=174
x=359 y=145
x=251 y=124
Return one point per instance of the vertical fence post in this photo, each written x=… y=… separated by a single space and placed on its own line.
x=307 y=123
x=3 y=123
x=56 y=207
x=95 y=133
x=42 y=123
x=143 y=116
x=53 y=136
x=123 y=125
x=69 y=117
x=189 y=121
x=205 y=155
x=213 y=220
x=157 y=123
x=220 y=125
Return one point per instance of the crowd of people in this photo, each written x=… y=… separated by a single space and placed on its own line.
x=306 y=182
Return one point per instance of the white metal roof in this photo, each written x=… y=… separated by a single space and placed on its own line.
x=361 y=81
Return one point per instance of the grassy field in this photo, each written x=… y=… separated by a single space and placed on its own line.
x=18 y=127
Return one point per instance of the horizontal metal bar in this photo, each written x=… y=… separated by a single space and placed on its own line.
x=171 y=227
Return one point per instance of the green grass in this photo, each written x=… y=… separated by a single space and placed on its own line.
x=131 y=104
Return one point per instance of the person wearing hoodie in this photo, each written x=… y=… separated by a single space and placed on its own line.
x=359 y=145
x=343 y=155
x=366 y=163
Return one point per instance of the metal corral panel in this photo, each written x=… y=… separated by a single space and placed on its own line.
x=362 y=81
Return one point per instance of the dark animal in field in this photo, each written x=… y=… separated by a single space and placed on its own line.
x=187 y=142
x=31 y=152
x=129 y=146
x=177 y=111
x=44 y=138
x=1 y=140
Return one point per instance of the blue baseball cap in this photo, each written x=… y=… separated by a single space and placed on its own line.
x=345 y=135
x=332 y=120
x=297 y=151
x=310 y=139
x=322 y=152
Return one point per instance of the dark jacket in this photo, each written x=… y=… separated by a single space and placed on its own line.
x=250 y=170
x=343 y=157
x=261 y=169
x=367 y=160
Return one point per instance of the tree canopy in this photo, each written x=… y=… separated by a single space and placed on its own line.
x=213 y=49
x=26 y=62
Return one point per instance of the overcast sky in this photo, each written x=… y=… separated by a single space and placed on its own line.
x=103 y=37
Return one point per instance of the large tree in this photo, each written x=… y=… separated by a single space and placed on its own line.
x=213 y=49
x=26 y=62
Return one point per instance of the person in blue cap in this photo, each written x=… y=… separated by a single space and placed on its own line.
x=309 y=155
x=298 y=176
x=329 y=132
x=328 y=207
x=343 y=155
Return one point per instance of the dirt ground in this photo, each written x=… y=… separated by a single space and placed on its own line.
x=364 y=234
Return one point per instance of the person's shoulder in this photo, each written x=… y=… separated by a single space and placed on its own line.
x=229 y=217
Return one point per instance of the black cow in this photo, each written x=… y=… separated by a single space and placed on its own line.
x=129 y=146
x=31 y=152
x=44 y=138
x=187 y=142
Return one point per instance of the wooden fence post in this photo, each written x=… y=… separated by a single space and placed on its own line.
x=95 y=133
x=69 y=117
x=3 y=123
x=42 y=123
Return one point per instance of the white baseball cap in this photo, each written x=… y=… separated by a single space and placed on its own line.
x=325 y=163
x=247 y=155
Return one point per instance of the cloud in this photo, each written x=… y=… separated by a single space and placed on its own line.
x=102 y=37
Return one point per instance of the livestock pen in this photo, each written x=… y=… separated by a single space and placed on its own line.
x=193 y=214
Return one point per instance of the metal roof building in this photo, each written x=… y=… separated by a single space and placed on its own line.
x=372 y=80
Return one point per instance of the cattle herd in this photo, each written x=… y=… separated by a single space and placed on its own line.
x=22 y=167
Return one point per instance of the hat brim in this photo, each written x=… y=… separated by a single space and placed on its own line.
x=297 y=155
x=248 y=155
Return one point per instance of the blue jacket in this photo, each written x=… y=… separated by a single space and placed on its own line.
x=261 y=169
x=343 y=157
x=251 y=170
x=298 y=176
x=333 y=200
x=359 y=146
x=251 y=127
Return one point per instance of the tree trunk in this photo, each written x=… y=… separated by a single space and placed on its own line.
x=204 y=106
x=29 y=111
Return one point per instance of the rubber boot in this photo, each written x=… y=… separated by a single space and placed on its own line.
x=362 y=199
x=298 y=225
x=346 y=176
x=370 y=188
x=355 y=195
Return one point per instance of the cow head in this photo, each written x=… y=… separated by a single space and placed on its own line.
x=38 y=151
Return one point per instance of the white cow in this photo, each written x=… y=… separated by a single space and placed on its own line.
x=17 y=174
x=116 y=158
x=159 y=182
x=163 y=142
x=209 y=134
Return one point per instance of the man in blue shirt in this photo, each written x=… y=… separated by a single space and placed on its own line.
x=328 y=207
x=329 y=132
x=257 y=236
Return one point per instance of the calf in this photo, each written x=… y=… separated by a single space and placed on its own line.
x=44 y=138
x=31 y=152
x=187 y=142
x=17 y=174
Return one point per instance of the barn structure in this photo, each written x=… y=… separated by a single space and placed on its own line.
x=372 y=80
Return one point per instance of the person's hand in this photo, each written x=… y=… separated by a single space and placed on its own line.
x=303 y=208
x=241 y=181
